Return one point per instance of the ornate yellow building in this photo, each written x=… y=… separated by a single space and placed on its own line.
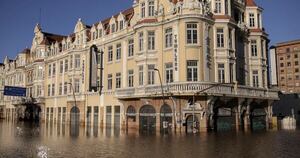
x=167 y=64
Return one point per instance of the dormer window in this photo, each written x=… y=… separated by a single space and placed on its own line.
x=251 y=20
x=121 y=25
x=151 y=8
x=100 y=33
x=218 y=7
x=94 y=35
x=143 y=10
x=113 y=28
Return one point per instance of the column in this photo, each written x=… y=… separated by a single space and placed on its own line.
x=247 y=117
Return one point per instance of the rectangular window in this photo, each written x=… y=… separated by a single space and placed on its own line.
x=296 y=63
x=221 y=73
x=54 y=69
x=76 y=85
x=251 y=20
x=71 y=61
x=49 y=70
x=143 y=10
x=118 y=80
x=39 y=90
x=121 y=25
x=141 y=41
x=53 y=89
x=169 y=72
x=192 y=70
x=255 y=78
x=130 y=47
x=61 y=67
x=49 y=90
x=119 y=49
x=141 y=75
x=110 y=53
x=66 y=65
x=109 y=81
x=220 y=38
x=151 y=74
x=60 y=89
x=218 y=7
x=192 y=33
x=254 y=48
x=130 y=78
x=151 y=40
x=169 y=37
x=113 y=28
x=65 y=88
x=151 y=8
x=77 y=61
x=100 y=33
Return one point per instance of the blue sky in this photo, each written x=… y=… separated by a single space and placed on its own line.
x=18 y=18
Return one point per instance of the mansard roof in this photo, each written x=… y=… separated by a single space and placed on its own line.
x=52 y=38
x=251 y=3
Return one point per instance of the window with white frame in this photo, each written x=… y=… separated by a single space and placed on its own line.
x=169 y=37
x=66 y=65
x=143 y=10
x=76 y=85
x=118 y=80
x=151 y=74
x=254 y=48
x=121 y=24
x=60 y=90
x=130 y=47
x=100 y=33
x=49 y=70
x=109 y=81
x=53 y=69
x=192 y=70
x=192 y=33
x=151 y=10
x=113 y=28
x=77 y=61
x=151 y=40
x=61 y=67
x=49 y=90
x=251 y=20
x=221 y=73
x=53 y=89
x=110 y=53
x=141 y=41
x=255 y=78
x=39 y=90
x=65 y=88
x=169 y=72
x=220 y=38
x=130 y=78
x=119 y=49
x=71 y=61
x=218 y=6
x=141 y=75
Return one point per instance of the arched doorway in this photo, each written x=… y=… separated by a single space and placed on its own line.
x=258 y=119
x=130 y=117
x=224 y=119
x=147 y=119
x=165 y=118
x=192 y=124
x=74 y=121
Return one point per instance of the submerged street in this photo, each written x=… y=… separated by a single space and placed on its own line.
x=19 y=139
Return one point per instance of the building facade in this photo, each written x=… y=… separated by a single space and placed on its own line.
x=288 y=58
x=181 y=65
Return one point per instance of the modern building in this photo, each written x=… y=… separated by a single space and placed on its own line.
x=167 y=65
x=288 y=59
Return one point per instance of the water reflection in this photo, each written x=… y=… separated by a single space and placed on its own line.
x=52 y=139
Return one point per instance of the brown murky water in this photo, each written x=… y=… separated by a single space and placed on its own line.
x=58 y=140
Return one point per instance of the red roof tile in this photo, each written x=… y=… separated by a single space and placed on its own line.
x=251 y=3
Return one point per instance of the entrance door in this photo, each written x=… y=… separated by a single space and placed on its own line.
x=147 y=119
x=258 y=119
x=74 y=121
x=165 y=119
x=224 y=119
x=192 y=124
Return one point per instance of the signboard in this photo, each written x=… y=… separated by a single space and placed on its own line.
x=15 y=91
x=93 y=68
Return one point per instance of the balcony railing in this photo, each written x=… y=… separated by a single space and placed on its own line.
x=188 y=88
x=78 y=97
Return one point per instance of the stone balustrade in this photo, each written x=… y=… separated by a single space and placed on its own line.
x=188 y=88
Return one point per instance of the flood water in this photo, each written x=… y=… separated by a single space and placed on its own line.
x=57 y=140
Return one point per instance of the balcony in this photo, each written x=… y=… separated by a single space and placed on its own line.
x=190 y=88
x=79 y=97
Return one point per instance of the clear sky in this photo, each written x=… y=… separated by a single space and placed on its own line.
x=18 y=18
